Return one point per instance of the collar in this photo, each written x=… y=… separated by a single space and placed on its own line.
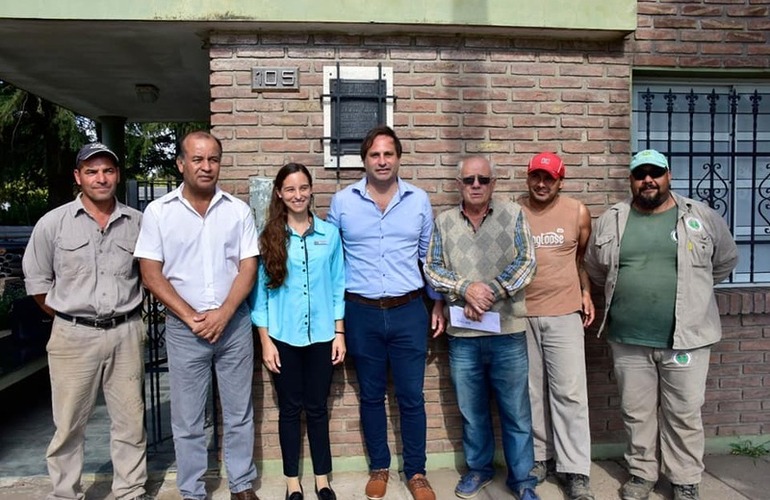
x=176 y=194
x=403 y=187
x=77 y=208
x=490 y=209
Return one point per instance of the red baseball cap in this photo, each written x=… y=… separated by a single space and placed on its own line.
x=548 y=162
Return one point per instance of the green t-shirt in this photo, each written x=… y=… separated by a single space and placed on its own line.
x=642 y=309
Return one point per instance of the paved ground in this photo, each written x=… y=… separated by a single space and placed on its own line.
x=25 y=429
x=727 y=478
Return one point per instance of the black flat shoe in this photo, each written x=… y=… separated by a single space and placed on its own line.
x=297 y=495
x=326 y=493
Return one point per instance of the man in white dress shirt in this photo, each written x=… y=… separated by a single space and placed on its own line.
x=198 y=255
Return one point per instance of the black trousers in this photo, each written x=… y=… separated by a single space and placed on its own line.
x=304 y=383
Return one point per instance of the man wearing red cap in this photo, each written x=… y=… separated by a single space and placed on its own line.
x=559 y=306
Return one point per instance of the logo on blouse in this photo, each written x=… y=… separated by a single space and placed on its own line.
x=320 y=242
x=550 y=239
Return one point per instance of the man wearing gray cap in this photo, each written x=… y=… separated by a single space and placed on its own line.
x=80 y=269
x=658 y=257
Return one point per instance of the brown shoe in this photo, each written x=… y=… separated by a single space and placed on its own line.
x=244 y=495
x=420 y=488
x=378 y=484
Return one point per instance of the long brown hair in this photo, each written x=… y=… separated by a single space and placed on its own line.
x=274 y=240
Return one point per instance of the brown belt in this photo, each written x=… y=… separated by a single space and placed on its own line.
x=384 y=302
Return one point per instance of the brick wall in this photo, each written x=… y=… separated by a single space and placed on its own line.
x=508 y=98
x=729 y=34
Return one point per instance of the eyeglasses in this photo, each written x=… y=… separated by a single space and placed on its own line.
x=483 y=180
x=641 y=173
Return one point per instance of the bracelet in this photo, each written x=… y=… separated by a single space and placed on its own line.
x=337 y=332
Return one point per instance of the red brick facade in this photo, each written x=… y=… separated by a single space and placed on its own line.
x=508 y=98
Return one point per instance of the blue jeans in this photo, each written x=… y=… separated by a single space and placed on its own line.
x=494 y=365
x=189 y=364
x=397 y=337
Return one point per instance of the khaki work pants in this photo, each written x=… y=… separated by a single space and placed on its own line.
x=80 y=360
x=662 y=392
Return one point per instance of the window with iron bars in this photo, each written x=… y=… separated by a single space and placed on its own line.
x=717 y=140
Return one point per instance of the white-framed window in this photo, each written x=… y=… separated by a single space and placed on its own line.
x=355 y=99
x=717 y=138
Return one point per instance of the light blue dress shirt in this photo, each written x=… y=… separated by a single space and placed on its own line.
x=303 y=310
x=383 y=249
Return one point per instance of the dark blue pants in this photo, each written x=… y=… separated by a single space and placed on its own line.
x=395 y=338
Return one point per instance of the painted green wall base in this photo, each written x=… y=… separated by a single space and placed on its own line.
x=455 y=460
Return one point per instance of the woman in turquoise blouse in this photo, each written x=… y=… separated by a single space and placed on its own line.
x=298 y=307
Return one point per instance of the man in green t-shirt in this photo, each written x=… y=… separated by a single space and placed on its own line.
x=658 y=257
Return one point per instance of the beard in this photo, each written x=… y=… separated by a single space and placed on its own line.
x=650 y=202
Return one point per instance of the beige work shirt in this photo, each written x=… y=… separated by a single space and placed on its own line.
x=85 y=271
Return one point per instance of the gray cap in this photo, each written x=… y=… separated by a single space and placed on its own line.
x=93 y=149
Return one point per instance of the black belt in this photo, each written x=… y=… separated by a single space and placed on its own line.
x=100 y=323
x=384 y=302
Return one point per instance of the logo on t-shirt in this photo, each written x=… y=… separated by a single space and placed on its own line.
x=549 y=239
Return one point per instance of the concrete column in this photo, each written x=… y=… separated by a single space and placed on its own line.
x=112 y=132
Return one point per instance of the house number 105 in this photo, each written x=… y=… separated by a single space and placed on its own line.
x=274 y=79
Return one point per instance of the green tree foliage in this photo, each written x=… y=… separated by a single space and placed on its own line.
x=151 y=148
x=38 y=144
x=40 y=140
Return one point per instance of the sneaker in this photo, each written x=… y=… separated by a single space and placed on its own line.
x=543 y=469
x=470 y=484
x=577 y=487
x=637 y=488
x=420 y=488
x=686 y=492
x=528 y=494
x=378 y=484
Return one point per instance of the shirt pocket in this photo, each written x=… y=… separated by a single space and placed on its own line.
x=122 y=257
x=700 y=248
x=605 y=245
x=72 y=256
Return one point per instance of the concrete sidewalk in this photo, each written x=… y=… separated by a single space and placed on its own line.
x=727 y=478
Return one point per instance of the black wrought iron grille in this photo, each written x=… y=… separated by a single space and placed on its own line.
x=717 y=139
x=356 y=107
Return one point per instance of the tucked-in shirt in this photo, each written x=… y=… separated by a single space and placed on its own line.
x=86 y=271
x=642 y=308
x=499 y=253
x=303 y=309
x=383 y=248
x=201 y=255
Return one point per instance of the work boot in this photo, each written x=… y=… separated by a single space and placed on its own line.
x=637 y=488
x=577 y=487
x=686 y=492
x=543 y=469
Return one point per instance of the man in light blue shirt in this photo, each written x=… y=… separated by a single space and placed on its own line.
x=386 y=225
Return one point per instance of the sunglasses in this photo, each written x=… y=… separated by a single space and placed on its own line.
x=483 y=180
x=641 y=173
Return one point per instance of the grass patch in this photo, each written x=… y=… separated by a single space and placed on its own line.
x=747 y=448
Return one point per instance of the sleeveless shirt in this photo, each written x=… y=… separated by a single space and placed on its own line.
x=555 y=291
